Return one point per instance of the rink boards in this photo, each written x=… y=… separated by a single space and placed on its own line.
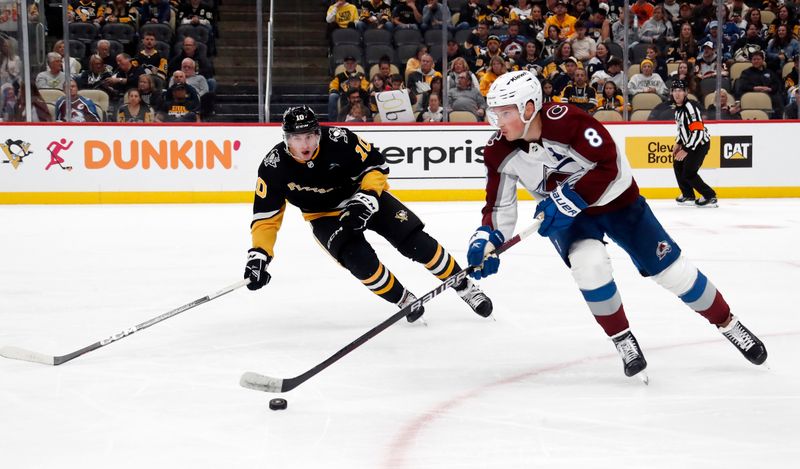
x=74 y=163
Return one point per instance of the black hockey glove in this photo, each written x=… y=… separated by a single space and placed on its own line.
x=358 y=210
x=256 y=269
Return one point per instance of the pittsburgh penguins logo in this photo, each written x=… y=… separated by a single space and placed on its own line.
x=401 y=215
x=556 y=112
x=337 y=133
x=272 y=159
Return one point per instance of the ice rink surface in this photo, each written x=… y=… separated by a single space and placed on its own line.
x=540 y=387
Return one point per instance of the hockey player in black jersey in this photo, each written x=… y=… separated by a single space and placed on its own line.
x=339 y=182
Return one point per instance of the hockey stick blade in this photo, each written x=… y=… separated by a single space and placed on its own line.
x=17 y=353
x=259 y=382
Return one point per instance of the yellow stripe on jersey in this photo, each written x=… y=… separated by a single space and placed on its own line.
x=375 y=181
x=314 y=215
x=265 y=232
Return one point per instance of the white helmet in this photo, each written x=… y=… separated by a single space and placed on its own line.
x=515 y=88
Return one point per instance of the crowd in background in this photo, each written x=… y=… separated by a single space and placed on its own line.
x=575 y=47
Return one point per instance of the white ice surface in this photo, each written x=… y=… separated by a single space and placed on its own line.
x=540 y=387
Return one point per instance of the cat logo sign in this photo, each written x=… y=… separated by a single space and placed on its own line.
x=736 y=152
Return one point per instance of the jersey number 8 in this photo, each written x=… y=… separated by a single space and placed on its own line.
x=593 y=137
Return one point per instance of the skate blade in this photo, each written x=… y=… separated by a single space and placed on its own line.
x=766 y=366
x=643 y=376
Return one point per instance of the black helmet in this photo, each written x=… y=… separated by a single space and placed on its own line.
x=299 y=119
x=679 y=84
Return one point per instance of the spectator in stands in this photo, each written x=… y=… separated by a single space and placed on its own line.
x=406 y=15
x=465 y=97
x=437 y=88
x=10 y=63
x=149 y=59
x=613 y=73
x=420 y=81
x=149 y=92
x=685 y=72
x=782 y=48
x=86 y=11
x=761 y=79
x=135 y=110
x=512 y=36
x=396 y=83
x=8 y=102
x=476 y=42
x=497 y=67
x=531 y=58
x=737 y=20
x=155 y=11
x=564 y=21
x=684 y=47
x=672 y=9
x=727 y=39
x=189 y=51
x=643 y=10
x=598 y=27
x=413 y=63
x=611 y=98
x=433 y=112
x=654 y=53
x=738 y=8
x=338 y=86
x=472 y=13
x=656 y=29
x=703 y=14
x=198 y=82
x=482 y=63
x=785 y=17
x=751 y=42
x=178 y=105
x=790 y=111
x=456 y=68
x=433 y=16
x=754 y=17
x=377 y=85
x=790 y=80
x=354 y=98
x=375 y=14
x=646 y=81
x=385 y=69
x=54 y=76
x=598 y=62
x=41 y=113
x=548 y=93
x=104 y=52
x=121 y=11
x=126 y=75
x=727 y=111
x=82 y=109
x=75 y=64
x=564 y=75
x=95 y=77
x=200 y=15
x=618 y=29
x=454 y=51
x=552 y=42
x=706 y=64
x=357 y=113
x=497 y=13
x=583 y=48
x=562 y=54
x=521 y=12
x=579 y=93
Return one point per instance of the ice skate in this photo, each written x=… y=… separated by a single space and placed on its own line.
x=476 y=299
x=685 y=201
x=406 y=300
x=632 y=356
x=744 y=340
x=702 y=202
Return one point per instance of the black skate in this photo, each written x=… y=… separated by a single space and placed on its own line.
x=476 y=299
x=683 y=200
x=406 y=300
x=744 y=340
x=702 y=202
x=632 y=356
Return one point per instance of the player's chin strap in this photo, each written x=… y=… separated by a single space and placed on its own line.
x=529 y=121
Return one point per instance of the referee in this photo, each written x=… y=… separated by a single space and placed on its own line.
x=690 y=150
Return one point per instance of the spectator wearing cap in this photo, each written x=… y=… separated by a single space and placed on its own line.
x=465 y=97
x=597 y=26
x=406 y=15
x=643 y=11
x=583 y=47
x=656 y=30
x=730 y=34
x=339 y=84
x=738 y=9
x=492 y=50
x=579 y=93
x=706 y=64
x=178 y=106
x=341 y=15
x=565 y=75
x=497 y=67
x=646 y=81
x=375 y=14
x=613 y=73
x=759 y=78
x=564 y=21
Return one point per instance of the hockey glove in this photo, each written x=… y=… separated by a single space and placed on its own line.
x=256 y=270
x=483 y=241
x=559 y=209
x=358 y=210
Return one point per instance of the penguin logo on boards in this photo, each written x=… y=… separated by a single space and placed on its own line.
x=15 y=151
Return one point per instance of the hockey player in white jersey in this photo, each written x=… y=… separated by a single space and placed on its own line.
x=585 y=190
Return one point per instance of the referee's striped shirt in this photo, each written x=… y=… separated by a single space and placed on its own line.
x=691 y=131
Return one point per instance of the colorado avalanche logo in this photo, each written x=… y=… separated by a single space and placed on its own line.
x=663 y=249
x=272 y=159
x=556 y=112
x=337 y=133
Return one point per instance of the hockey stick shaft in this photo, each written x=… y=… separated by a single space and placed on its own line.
x=27 y=355
x=258 y=382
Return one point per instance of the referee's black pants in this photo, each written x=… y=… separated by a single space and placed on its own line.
x=686 y=173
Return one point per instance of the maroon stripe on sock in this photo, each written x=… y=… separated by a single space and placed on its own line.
x=718 y=312
x=615 y=323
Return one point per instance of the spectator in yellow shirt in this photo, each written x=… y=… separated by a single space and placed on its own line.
x=564 y=21
x=341 y=15
x=497 y=67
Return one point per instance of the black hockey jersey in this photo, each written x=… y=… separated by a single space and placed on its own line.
x=342 y=164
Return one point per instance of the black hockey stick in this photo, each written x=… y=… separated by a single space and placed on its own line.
x=259 y=382
x=21 y=354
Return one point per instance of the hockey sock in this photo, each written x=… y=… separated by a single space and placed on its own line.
x=360 y=259
x=693 y=288
x=422 y=248
x=384 y=284
x=605 y=304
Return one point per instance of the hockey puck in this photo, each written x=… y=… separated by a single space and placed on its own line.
x=278 y=404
